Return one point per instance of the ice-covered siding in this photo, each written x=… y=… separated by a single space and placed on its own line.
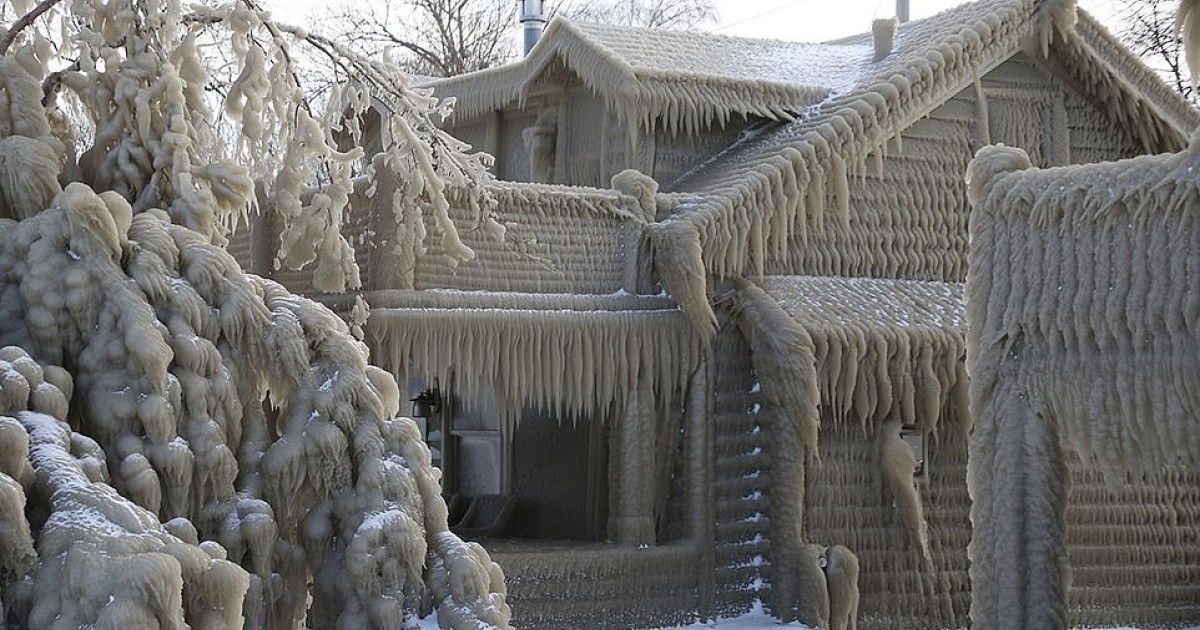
x=909 y=218
x=593 y=141
x=604 y=587
x=860 y=358
x=845 y=506
x=556 y=240
x=676 y=153
x=1134 y=547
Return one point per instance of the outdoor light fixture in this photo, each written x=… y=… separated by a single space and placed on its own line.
x=912 y=435
x=427 y=402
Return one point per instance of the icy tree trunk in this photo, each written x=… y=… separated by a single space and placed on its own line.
x=1018 y=485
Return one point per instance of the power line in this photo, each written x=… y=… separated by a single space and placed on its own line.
x=755 y=17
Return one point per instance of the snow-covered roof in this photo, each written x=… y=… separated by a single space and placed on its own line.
x=681 y=79
x=752 y=200
x=870 y=304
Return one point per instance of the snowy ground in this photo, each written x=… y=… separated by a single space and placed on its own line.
x=756 y=619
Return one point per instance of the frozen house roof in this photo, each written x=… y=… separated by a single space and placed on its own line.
x=768 y=190
x=681 y=79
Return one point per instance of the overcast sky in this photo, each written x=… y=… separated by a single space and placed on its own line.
x=799 y=20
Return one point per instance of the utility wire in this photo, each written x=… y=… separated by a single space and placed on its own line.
x=763 y=14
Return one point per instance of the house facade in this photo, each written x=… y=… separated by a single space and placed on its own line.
x=689 y=384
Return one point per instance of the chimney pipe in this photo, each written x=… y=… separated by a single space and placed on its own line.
x=533 y=19
x=901 y=11
x=885 y=36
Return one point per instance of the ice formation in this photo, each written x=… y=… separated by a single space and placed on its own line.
x=1083 y=311
x=874 y=353
x=792 y=189
x=184 y=443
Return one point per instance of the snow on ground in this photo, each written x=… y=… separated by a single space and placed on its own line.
x=756 y=619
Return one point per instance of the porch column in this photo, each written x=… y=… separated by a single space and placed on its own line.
x=1018 y=483
x=631 y=471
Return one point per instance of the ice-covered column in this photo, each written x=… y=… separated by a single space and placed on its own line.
x=392 y=260
x=631 y=471
x=1017 y=480
x=699 y=462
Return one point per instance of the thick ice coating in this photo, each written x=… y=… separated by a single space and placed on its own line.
x=1083 y=314
x=183 y=444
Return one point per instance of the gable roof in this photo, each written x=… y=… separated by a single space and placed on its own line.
x=688 y=80
x=750 y=202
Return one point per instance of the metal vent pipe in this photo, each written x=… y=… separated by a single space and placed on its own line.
x=533 y=19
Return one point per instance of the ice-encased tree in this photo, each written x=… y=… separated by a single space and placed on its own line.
x=182 y=443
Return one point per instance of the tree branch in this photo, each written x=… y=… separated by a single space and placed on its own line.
x=24 y=22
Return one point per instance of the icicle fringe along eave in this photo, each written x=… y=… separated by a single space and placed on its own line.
x=571 y=362
x=881 y=348
x=1129 y=92
x=679 y=101
x=1100 y=322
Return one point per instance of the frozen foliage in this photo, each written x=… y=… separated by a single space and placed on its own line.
x=1083 y=306
x=213 y=450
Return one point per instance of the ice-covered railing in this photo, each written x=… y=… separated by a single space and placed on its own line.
x=545 y=239
x=557 y=239
x=1084 y=328
x=782 y=187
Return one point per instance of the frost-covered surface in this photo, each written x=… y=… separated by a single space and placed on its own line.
x=1083 y=311
x=185 y=443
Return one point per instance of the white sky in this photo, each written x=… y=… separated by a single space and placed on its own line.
x=799 y=20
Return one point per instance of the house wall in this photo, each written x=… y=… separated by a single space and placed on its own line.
x=909 y=219
x=593 y=142
x=677 y=153
x=847 y=504
x=1134 y=547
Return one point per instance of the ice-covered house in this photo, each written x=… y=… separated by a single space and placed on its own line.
x=664 y=396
